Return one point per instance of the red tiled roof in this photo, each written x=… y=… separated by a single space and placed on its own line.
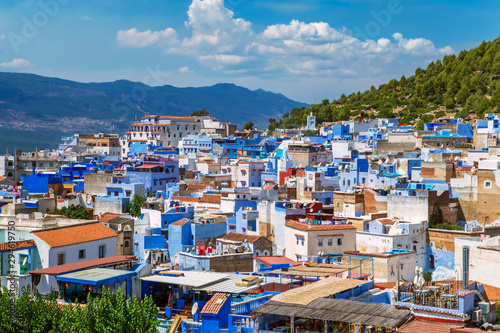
x=207 y=198
x=177 y=117
x=269 y=187
x=75 y=234
x=214 y=305
x=106 y=217
x=17 y=245
x=318 y=227
x=273 y=260
x=417 y=325
x=237 y=237
x=147 y=166
x=386 y=221
x=76 y=266
x=180 y=222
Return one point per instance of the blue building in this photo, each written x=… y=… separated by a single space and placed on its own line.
x=184 y=234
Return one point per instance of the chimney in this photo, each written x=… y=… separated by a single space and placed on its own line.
x=465 y=267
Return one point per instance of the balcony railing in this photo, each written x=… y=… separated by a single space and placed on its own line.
x=246 y=307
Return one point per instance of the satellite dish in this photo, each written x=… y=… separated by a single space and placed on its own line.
x=194 y=309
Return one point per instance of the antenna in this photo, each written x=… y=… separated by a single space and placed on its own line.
x=194 y=309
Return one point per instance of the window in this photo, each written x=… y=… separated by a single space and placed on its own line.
x=252 y=225
x=81 y=254
x=487 y=184
x=320 y=241
x=127 y=244
x=61 y=259
x=41 y=164
x=339 y=241
x=330 y=242
x=23 y=264
x=102 y=251
x=128 y=193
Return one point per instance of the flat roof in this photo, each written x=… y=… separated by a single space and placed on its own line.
x=76 y=266
x=97 y=276
x=319 y=289
x=320 y=270
x=228 y=285
x=194 y=279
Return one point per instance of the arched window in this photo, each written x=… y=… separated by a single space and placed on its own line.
x=127 y=243
x=9 y=174
x=10 y=163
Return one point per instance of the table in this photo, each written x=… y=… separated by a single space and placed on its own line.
x=421 y=294
x=446 y=299
x=435 y=290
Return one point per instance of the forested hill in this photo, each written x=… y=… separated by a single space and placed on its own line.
x=464 y=86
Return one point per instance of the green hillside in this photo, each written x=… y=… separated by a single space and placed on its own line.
x=463 y=86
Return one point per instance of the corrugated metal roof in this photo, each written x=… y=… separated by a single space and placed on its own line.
x=228 y=285
x=194 y=279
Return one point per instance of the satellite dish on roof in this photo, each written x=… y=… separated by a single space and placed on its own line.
x=194 y=309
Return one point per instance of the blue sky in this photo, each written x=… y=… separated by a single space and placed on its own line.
x=308 y=50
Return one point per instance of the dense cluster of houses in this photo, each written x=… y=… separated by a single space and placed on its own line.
x=242 y=231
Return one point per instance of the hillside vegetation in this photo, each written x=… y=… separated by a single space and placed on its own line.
x=463 y=86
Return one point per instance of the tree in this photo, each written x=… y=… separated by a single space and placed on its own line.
x=248 y=125
x=135 y=205
x=273 y=124
x=420 y=125
x=436 y=217
x=428 y=276
x=109 y=313
x=74 y=212
x=200 y=113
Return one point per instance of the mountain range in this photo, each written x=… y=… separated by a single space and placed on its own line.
x=36 y=111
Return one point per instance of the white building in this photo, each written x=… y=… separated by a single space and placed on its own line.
x=304 y=240
x=311 y=122
x=65 y=245
x=160 y=131
x=484 y=259
x=386 y=235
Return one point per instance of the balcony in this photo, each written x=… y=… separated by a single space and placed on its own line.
x=246 y=307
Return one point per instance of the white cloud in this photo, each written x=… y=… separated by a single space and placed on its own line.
x=86 y=18
x=222 y=42
x=17 y=63
x=185 y=70
x=134 y=38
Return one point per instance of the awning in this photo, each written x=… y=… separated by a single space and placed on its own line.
x=97 y=276
x=76 y=266
x=148 y=166
x=188 y=278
